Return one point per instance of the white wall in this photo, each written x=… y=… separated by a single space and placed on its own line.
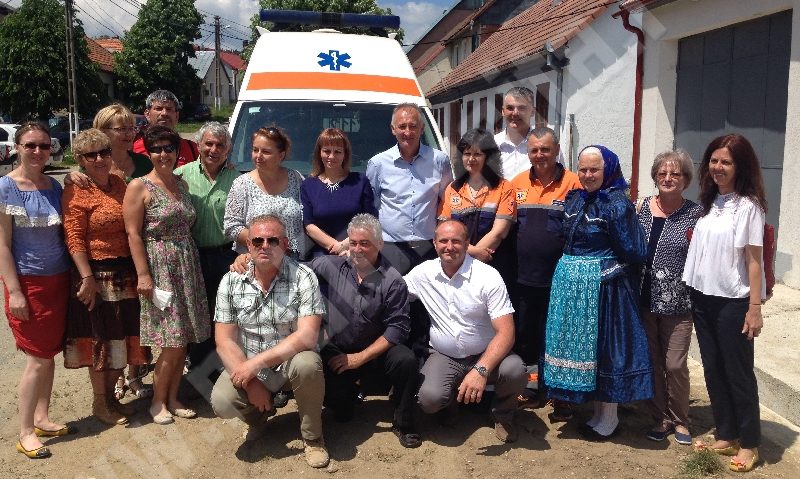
x=664 y=27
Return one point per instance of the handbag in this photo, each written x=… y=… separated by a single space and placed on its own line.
x=769 y=249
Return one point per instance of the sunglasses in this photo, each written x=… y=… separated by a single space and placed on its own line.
x=162 y=149
x=32 y=146
x=94 y=155
x=123 y=129
x=258 y=242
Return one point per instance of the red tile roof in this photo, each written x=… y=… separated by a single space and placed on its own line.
x=233 y=60
x=637 y=5
x=111 y=44
x=99 y=55
x=525 y=35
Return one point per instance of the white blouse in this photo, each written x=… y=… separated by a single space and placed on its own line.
x=716 y=264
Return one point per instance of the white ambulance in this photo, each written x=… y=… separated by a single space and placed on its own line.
x=307 y=81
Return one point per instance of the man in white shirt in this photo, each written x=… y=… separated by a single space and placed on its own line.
x=517 y=113
x=471 y=334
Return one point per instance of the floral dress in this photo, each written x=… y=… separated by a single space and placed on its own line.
x=175 y=267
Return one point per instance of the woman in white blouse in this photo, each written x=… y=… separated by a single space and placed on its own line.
x=726 y=277
x=270 y=189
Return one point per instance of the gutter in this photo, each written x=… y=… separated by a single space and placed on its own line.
x=637 y=102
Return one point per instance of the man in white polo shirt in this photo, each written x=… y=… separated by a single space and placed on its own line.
x=472 y=331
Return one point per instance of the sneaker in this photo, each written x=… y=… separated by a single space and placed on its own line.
x=658 y=436
x=505 y=431
x=562 y=411
x=683 y=439
x=316 y=454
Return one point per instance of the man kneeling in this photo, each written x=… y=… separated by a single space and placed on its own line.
x=472 y=332
x=267 y=327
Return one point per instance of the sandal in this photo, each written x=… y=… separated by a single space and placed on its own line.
x=737 y=465
x=120 y=388
x=731 y=450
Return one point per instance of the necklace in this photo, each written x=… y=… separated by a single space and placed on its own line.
x=330 y=184
x=658 y=202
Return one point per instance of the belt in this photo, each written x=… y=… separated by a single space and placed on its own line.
x=223 y=248
x=416 y=244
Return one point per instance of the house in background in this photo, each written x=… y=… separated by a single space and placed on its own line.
x=721 y=66
x=5 y=10
x=104 y=59
x=573 y=54
x=231 y=65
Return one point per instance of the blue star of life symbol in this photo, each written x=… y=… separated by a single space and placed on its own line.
x=334 y=60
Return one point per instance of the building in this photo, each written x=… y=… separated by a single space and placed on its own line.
x=104 y=60
x=231 y=66
x=577 y=58
x=721 y=66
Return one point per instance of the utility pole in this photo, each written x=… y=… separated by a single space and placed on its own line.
x=72 y=96
x=217 y=76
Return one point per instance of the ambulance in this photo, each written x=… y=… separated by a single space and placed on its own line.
x=305 y=82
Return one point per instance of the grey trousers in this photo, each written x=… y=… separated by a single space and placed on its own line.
x=442 y=375
x=303 y=374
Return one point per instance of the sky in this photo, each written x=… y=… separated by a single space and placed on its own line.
x=112 y=17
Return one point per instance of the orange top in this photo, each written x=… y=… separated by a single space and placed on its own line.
x=487 y=205
x=93 y=220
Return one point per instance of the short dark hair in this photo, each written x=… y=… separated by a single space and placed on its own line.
x=492 y=168
x=161 y=133
x=542 y=131
x=522 y=92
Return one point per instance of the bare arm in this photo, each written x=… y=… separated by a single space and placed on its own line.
x=496 y=351
x=326 y=241
x=233 y=357
x=133 y=206
x=17 y=303
x=753 y=321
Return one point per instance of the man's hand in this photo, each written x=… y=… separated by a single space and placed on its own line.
x=259 y=396
x=343 y=362
x=243 y=373
x=471 y=388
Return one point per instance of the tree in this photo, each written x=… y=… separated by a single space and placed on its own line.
x=156 y=52
x=33 y=63
x=338 y=6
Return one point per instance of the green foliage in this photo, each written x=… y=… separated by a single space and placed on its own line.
x=700 y=464
x=33 y=63
x=339 y=6
x=156 y=52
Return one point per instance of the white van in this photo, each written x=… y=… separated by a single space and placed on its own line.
x=307 y=81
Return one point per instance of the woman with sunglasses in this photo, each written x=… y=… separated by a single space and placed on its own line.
x=34 y=266
x=158 y=216
x=332 y=194
x=103 y=315
x=270 y=189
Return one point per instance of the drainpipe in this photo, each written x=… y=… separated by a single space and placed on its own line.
x=637 y=102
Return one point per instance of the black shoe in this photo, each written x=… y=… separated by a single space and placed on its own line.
x=562 y=411
x=280 y=399
x=408 y=436
x=590 y=434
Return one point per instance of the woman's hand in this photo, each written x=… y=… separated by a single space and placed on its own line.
x=145 y=286
x=338 y=247
x=87 y=293
x=18 y=305
x=241 y=263
x=753 y=322
x=81 y=180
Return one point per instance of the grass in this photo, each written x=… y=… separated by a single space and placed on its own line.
x=69 y=158
x=700 y=464
x=221 y=115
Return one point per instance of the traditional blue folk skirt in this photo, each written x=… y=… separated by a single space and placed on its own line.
x=622 y=370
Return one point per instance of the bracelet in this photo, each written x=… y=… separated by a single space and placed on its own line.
x=755 y=304
x=87 y=276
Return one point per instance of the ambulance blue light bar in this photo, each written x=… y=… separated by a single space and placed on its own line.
x=329 y=19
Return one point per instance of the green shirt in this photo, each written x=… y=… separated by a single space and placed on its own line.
x=208 y=198
x=141 y=165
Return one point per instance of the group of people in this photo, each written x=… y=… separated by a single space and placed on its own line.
x=430 y=278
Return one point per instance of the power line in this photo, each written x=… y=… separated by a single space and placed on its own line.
x=81 y=9
x=122 y=29
x=134 y=15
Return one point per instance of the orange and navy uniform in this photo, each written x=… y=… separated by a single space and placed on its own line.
x=540 y=213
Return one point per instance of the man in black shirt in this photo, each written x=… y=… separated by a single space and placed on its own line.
x=366 y=326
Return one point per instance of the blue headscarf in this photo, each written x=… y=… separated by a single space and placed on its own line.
x=612 y=172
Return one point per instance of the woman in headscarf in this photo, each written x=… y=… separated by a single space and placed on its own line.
x=596 y=347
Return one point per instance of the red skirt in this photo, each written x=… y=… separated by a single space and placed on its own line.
x=42 y=335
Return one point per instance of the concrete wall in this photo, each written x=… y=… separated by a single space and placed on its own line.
x=433 y=73
x=664 y=27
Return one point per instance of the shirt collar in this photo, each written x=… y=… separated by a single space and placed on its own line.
x=283 y=274
x=556 y=178
x=508 y=142
x=465 y=271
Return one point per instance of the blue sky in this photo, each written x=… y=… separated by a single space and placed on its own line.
x=111 y=17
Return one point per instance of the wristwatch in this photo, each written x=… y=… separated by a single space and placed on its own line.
x=481 y=370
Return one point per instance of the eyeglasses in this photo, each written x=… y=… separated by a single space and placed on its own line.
x=162 y=149
x=33 y=146
x=663 y=175
x=94 y=155
x=258 y=242
x=123 y=129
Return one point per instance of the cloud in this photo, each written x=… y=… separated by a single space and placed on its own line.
x=416 y=17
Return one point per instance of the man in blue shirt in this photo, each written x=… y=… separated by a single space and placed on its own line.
x=408 y=180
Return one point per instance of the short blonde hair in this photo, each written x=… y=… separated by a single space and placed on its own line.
x=107 y=116
x=89 y=140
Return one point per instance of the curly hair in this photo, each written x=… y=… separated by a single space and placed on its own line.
x=161 y=133
x=90 y=140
